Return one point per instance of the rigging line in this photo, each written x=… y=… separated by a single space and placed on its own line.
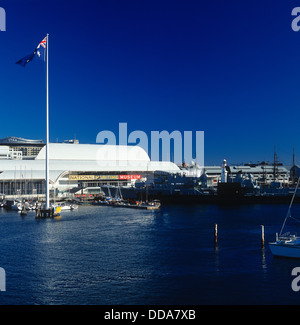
x=295 y=219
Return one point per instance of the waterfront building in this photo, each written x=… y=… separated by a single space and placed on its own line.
x=79 y=166
x=263 y=174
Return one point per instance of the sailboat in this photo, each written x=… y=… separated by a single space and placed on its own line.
x=287 y=245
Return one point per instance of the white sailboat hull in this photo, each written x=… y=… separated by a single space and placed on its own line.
x=65 y=206
x=285 y=250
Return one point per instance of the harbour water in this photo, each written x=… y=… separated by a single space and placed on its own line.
x=106 y=256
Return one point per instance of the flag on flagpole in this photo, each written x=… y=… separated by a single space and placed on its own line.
x=39 y=52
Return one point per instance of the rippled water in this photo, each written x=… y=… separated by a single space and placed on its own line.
x=103 y=255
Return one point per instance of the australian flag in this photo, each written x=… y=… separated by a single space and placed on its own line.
x=39 y=52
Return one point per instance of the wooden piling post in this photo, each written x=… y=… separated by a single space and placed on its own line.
x=262 y=236
x=216 y=234
x=38 y=213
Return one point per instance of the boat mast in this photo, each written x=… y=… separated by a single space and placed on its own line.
x=47 y=126
x=289 y=210
x=293 y=168
x=275 y=169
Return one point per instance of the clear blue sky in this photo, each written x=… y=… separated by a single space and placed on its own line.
x=228 y=68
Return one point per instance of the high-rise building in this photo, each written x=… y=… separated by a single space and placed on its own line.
x=29 y=148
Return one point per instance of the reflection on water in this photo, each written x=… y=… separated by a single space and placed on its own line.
x=263 y=259
x=103 y=255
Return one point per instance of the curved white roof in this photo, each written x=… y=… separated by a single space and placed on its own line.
x=63 y=151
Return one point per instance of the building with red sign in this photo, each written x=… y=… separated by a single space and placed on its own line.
x=78 y=166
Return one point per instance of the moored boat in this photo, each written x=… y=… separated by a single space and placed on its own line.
x=149 y=205
x=66 y=206
x=286 y=245
x=17 y=206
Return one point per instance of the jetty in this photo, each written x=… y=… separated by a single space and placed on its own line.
x=42 y=213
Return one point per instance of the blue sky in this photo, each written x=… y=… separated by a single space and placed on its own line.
x=228 y=68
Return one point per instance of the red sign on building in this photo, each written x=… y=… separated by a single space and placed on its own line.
x=124 y=177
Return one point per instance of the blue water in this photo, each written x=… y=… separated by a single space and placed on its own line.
x=102 y=255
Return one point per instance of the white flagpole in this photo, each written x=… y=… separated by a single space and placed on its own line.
x=47 y=127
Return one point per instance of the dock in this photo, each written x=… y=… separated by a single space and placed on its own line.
x=47 y=213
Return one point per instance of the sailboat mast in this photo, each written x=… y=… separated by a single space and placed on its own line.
x=47 y=125
x=289 y=210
